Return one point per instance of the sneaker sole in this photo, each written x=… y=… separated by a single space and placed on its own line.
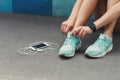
x=102 y=54
x=77 y=48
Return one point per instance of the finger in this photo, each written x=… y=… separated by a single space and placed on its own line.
x=63 y=24
x=63 y=27
x=80 y=33
x=83 y=34
x=75 y=33
x=71 y=33
x=77 y=30
x=68 y=28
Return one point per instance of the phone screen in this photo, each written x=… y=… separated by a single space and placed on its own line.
x=41 y=45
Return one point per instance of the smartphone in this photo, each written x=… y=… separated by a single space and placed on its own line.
x=38 y=46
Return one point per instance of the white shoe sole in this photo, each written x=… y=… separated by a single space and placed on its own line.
x=102 y=54
x=77 y=48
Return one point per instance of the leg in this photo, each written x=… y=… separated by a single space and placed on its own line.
x=103 y=44
x=112 y=14
x=75 y=10
x=71 y=42
x=108 y=30
x=85 y=11
x=69 y=23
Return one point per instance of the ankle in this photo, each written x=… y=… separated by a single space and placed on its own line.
x=108 y=35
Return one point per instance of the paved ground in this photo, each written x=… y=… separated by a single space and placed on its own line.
x=17 y=31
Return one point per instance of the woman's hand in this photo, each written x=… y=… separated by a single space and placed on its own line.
x=81 y=31
x=67 y=26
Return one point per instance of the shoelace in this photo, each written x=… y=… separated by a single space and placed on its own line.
x=101 y=43
x=69 y=41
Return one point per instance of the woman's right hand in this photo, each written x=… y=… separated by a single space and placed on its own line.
x=67 y=26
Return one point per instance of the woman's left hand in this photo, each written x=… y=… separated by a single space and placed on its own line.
x=81 y=31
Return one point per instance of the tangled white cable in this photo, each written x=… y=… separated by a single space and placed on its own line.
x=40 y=46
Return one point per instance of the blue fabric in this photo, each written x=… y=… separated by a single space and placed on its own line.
x=41 y=7
x=62 y=7
x=5 y=5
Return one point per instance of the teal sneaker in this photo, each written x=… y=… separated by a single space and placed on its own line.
x=71 y=44
x=100 y=48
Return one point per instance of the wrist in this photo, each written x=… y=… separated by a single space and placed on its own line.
x=92 y=26
x=72 y=19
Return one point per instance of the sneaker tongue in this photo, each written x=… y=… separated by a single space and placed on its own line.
x=102 y=36
x=68 y=35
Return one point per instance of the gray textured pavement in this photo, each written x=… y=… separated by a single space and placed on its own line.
x=17 y=31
